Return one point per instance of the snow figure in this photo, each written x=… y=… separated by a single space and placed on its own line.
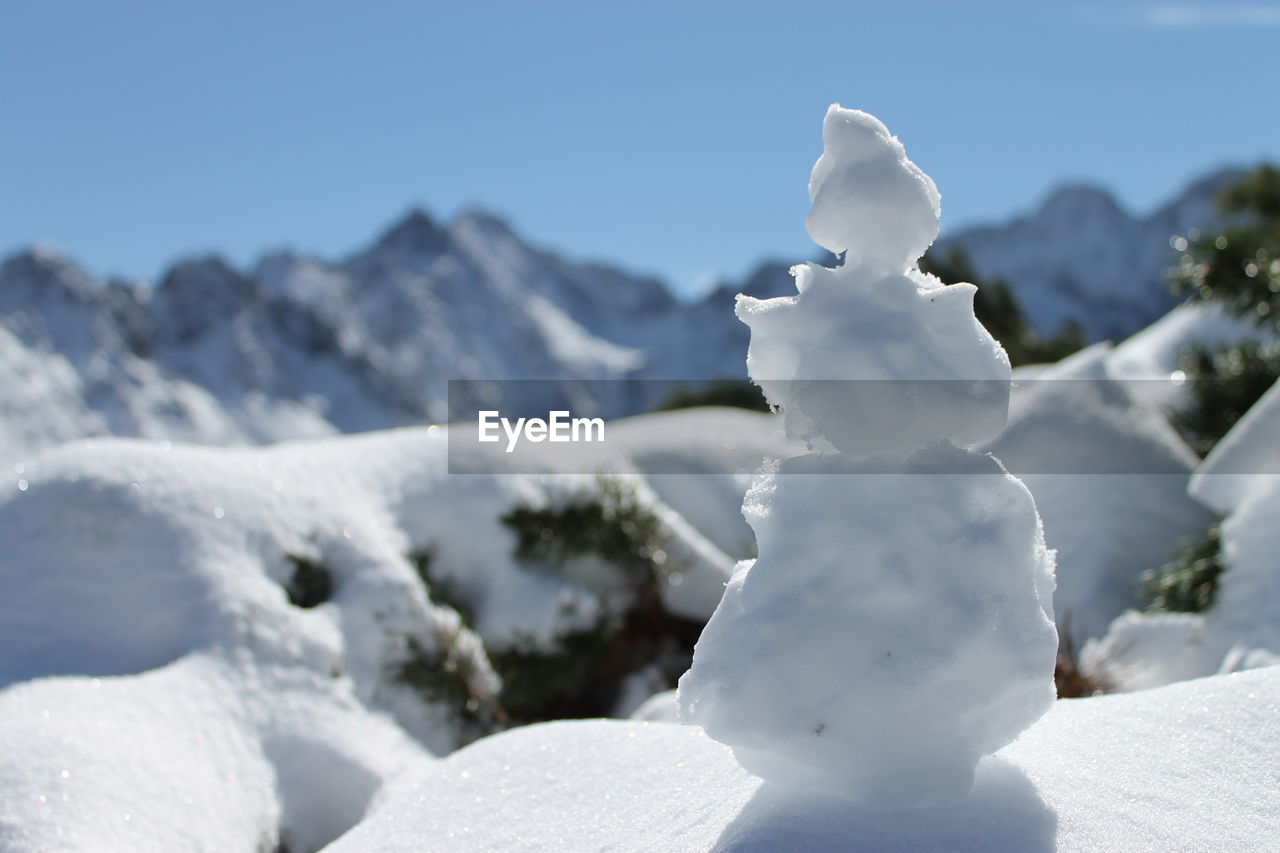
x=897 y=624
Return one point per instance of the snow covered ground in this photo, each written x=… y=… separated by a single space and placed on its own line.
x=1185 y=768
x=201 y=754
x=145 y=608
x=205 y=647
x=333 y=643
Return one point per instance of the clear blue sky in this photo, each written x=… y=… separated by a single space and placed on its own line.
x=673 y=137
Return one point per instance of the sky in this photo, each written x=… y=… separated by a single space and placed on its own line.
x=673 y=138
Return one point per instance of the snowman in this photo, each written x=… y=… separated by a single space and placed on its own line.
x=896 y=626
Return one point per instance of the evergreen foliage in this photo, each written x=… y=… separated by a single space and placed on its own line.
x=583 y=672
x=1223 y=383
x=441 y=589
x=611 y=524
x=311 y=583
x=446 y=678
x=737 y=393
x=583 y=676
x=1239 y=266
x=560 y=683
x=1189 y=582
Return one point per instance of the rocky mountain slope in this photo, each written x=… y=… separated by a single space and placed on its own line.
x=301 y=346
x=1080 y=256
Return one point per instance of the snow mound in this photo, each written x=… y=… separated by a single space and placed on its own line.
x=1109 y=477
x=128 y=555
x=198 y=755
x=1188 y=767
x=233 y=649
x=1240 y=479
x=1236 y=472
x=123 y=556
x=658 y=708
x=1155 y=352
x=1242 y=629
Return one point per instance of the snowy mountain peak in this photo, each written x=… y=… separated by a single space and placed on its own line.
x=198 y=293
x=415 y=234
x=1081 y=257
x=41 y=253
x=1080 y=200
x=479 y=221
x=44 y=271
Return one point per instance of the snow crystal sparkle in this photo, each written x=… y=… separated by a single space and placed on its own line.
x=896 y=625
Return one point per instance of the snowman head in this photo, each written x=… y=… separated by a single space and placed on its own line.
x=868 y=199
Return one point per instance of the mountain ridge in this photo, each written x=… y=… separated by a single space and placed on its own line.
x=297 y=345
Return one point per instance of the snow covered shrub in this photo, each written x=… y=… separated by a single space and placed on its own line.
x=1233 y=579
x=1225 y=383
x=608 y=559
x=1239 y=266
x=608 y=541
x=441 y=588
x=449 y=678
x=565 y=682
x=454 y=672
x=1189 y=582
x=610 y=524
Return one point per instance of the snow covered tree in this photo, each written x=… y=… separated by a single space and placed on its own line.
x=1237 y=267
x=897 y=623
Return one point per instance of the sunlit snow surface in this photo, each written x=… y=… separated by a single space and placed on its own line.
x=203 y=754
x=1188 y=767
x=161 y=693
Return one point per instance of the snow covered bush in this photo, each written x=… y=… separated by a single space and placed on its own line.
x=612 y=543
x=897 y=623
x=1240 y=480
x=1224 y=383
x=1239 y=265
x=225 y=650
